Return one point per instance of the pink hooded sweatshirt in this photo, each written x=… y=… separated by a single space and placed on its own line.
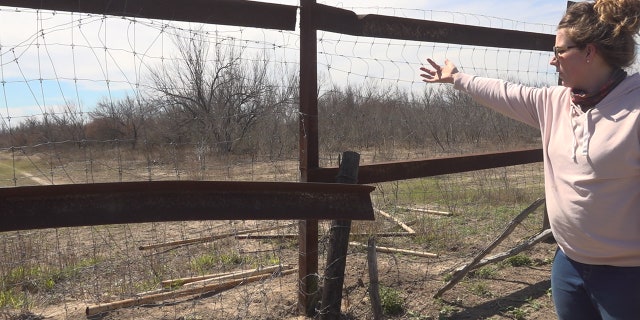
x=591 y=163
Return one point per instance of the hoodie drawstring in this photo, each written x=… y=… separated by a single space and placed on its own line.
x=574 y=143
x=586 y=133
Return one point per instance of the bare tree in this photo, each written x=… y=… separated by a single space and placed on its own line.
x=216 y=97
x=70 y=123
x=121 y=119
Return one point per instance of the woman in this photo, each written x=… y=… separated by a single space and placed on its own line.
x=590 y=130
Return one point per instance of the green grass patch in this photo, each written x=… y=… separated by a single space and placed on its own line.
x=13 y=298
x=447 y=311
x=486 y=272
x=517 y=313
x=391 y=301
x=519 y=260
x=480 y=289
x=39 y=278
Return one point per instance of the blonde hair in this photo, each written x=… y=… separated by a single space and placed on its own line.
x=611 y=25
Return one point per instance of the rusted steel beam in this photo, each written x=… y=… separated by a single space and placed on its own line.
x=136 y=202
x=308 y=138
x=379 y=26
x=227 y=12
x=309 y=156
x=392 y=171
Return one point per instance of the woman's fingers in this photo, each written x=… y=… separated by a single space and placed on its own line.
x=438 y=73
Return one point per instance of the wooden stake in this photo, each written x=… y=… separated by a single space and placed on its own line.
x=104 y=307
x=385 y=234
x=222 y=276
x=400 y=223
x=267 y=236
x=210 y=238
x=394 y=250
x=440 y=213
x=295 y=236
x=240 y=275
x=374 y=288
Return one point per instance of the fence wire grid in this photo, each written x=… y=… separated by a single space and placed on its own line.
x=93 y=98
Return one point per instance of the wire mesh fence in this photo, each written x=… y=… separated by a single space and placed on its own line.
x=93 y=98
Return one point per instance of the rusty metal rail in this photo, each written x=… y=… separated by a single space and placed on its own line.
x=227 y=12
x=402 y=170
x=72 y=205
x=343 y=21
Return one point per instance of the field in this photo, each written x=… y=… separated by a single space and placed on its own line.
x=58 y=273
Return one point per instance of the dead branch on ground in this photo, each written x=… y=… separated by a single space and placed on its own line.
x=509 y=253
x=505 y=233
x=394 y=250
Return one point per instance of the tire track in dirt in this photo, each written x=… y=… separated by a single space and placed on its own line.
x=24 y=174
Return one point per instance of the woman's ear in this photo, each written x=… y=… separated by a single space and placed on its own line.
x=590 y=51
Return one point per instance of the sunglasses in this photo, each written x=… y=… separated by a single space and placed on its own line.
x=557 y=51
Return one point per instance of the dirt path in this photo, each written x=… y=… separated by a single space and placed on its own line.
x=39 y=181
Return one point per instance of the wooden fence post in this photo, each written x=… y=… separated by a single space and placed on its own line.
x=374 y=286
x=338 y=246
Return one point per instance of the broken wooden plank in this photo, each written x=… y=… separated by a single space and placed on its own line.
x=222 y=276
x=429 y=211
x=216 y=287
x=394 y=250
x=212 y=238
x=394 y=219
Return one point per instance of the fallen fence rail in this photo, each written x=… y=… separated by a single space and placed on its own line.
x=71 y=205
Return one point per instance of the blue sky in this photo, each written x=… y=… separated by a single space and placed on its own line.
x=41 y=71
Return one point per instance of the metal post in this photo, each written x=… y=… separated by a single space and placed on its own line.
x=308 y=229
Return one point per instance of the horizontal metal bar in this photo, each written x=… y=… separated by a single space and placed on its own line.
x=72 y=205
x=392 y=171
x=227 y=12
x=283 y=17
x=372 y=25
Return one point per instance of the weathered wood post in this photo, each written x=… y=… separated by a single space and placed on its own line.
x=338 y=245
x=374 y=287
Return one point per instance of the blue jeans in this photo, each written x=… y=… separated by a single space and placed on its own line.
x=584 y=292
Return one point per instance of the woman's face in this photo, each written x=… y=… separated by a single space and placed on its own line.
x=570 y=61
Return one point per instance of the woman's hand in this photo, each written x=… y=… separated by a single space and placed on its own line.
x=439 y=74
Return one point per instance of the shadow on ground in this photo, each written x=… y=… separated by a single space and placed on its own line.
x=492 y=308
